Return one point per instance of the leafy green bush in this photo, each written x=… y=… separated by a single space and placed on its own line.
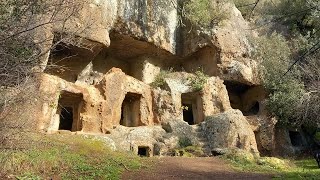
x=198 y=81
x=294 y=98
x=184 y=142
x=205 y=12
x=301 y=15
x=159 y=80
x=285 y=91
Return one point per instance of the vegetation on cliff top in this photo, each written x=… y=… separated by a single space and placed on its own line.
x=288 y=49
x=205 y=13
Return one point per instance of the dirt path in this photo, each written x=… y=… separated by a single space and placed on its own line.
x=190 y=168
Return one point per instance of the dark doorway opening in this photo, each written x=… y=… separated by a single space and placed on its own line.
x=130 y=110
x=143 y=151
x=69 y=107
x=296 y=138
x=244 y=97
x=66 y=118
x=191 y=106
x=254 y=110
x=188 y=114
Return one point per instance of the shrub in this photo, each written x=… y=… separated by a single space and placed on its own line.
x=198 y=81
x=309 y=107
x=184 y=142
x=300 y=15
x=285 y=92
x=205 y=12
x=159 y=80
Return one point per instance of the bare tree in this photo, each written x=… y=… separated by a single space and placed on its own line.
x=27 y=29
x=310 y=103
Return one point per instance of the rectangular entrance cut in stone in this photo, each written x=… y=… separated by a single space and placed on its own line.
x=130 y=111
x=144 y=151
x=191 y=107
x=69 y=107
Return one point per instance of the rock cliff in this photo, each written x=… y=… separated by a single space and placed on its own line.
x=104 y=84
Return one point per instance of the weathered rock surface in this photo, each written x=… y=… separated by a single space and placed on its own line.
x=229 y=130
x=120 y=22
x=105 y=87
x=244 y=71
x=215 y=97
x=130 y=139
x=230 y=42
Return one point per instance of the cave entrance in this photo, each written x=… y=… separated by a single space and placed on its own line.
x=241 y=97
x=69 y=106
x=295 y=138
x=144 y=151
x=191 y=107
x=130 y=110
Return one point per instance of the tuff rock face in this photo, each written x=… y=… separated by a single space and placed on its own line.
x=107 y=84
x=229 y=129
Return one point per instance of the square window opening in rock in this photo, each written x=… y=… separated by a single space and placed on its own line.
x=190 y=103
x=69 y=107
x=130 y=110
x=144 y=151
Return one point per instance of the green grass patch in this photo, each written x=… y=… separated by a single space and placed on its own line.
x=302 y=169
x=67 y=157
x=280 y=168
